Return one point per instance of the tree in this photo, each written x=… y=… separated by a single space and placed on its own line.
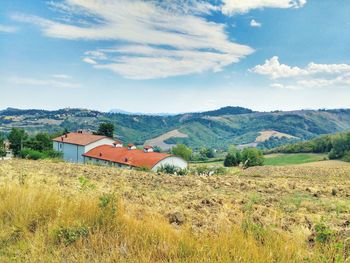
x=233 y=158
x=183 y=151
x=105 y=129
x=17 y=138
x=2 y=146
x=40 y=142
x=252 y=157
x=206 y=153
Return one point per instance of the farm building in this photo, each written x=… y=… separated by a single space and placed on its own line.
x=81 y=147
x=73 y=145
x=132 y=157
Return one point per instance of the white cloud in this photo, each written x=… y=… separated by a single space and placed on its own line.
x=254 y=23
x=61 y=76
x=89 y=61
x=8 y=29
x=50 y=83
x=275 y=70
x=185 y=42
x=231 y=7
x=313 y=75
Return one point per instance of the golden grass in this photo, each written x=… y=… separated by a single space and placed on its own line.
x=48 y=214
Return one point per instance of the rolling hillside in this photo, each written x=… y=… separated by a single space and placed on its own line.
x=218 y=129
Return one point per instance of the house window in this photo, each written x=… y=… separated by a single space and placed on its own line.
x=60 y=146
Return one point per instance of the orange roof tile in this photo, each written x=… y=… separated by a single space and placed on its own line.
x=79 y=138
x=136 y=158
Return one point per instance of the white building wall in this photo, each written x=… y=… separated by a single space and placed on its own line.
x=172 y=160
x=73 y=153
x=104 y=141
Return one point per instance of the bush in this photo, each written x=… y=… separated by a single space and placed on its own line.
x=205 y=170
x=53 y=154
x=346 y=156
x=252 y=157
x=70 y=235
x=27 y=153
x=31 y=154
x=323 y=233
x=172 y=169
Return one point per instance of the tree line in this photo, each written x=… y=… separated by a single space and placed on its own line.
x=337 y=146
x=40 y=145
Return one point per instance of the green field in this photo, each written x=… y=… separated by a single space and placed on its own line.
x=290 y=159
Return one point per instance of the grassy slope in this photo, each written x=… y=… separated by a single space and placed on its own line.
x=54 y=212
x=290 y=159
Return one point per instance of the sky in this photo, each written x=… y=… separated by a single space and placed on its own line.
x=175 y=55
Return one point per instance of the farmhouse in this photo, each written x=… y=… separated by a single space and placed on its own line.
x=132 y=157
x=83 y=147
x=73 y=145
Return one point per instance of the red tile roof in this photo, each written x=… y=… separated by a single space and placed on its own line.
x=79 y=138
x=136 y=158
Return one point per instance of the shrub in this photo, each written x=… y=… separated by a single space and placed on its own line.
x=205 y=170
x=69 y=235
x=252 y=157
x=31 y=154
x=27 y=153
x=323 y=233
x=53 y=154
x=85 y=183
x=346 y=156
x=172 y=169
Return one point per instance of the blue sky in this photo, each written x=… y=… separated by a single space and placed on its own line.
x=175 y=56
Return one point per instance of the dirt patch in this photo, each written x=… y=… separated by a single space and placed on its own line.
x=159 y=141
x=265 y=135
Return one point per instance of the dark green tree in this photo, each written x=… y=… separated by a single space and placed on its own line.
x=233 y=157
x=17 y=138
x=182 y=151
x=105 y=129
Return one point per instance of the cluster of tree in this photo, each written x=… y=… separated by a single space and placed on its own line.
x=337 y=146
x=274 y=142
x=31 y=147
x=248 y=157
x=203 y=154
x=187 y=153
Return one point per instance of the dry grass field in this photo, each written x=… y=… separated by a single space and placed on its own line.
x=58 y=212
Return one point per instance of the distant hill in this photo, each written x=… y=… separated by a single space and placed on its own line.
x=218 y=129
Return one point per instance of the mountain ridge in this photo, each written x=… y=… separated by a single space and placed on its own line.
x=217 y=128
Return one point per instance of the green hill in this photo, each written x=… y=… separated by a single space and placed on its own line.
x=217 y=129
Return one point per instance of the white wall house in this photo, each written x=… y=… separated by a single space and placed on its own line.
x=73 y=145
